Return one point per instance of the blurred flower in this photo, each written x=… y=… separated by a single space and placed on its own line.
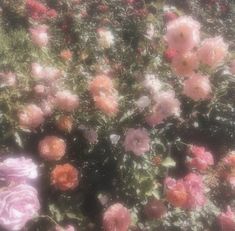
x=47 y=105
x=114 y=138
x=66 y=228
x=227 y=220
x=197 y=87
x=229 y=163
x=169 y=54
x=166 y=105
x=200 y=158
x=105 y=38
x=40 y=90
x=152 y=83
x=116 y=218
x=37 y=71
x=52 y=148
x=185 y=64
x=183 y=34
x=137 y=141
x=155 y=209
x=66 y=55
x=65 y=123
x=65 y=177
x=66 y=101
x=7 y=79
x=170 y=16
x=18 y=169
x=30 y=117
x=39 y=35
x=91 y=135
x=213 y=51
x=143 y=102
x=232 y=67
x=18 y=205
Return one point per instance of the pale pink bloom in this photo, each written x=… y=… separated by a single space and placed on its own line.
x=37 y=71
x=213 y=51
x=66 y=101
x=200 y=159
x=152 y=84
x=227 y=220
x=51 y=73
x=18 y=205
x=185 y=64
x=39 y=90
x=183 y=34
x=30 y=117
x=39 y=35
x=143 y=102
x=18 y=169
x=116 y=218
x=137 y=141
x=232 y=67
x=7 y=79
x=105 y=38
x=52 y=148
x=47 y=106
x=197 y=87
x=166 y=106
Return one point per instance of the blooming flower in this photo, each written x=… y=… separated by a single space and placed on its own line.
x=37 y=71
x=169 y=54
x=185 y=64
x=66 y=101
x=197 y=87
x=227 y=220
x=201 y=159
x=65 y=123
x=166 y=105
x=116 y=218
x=143 y=102
x=183 y=34
x=105 y=38
x=137 y=141
x=52 y=148
x=7 y=79
x=18 y=169
x=170 y=16
x=39 y=35
x=18 y=205
x=39 y=90
x=155 y=209
x=213 y=51
x=30 y=117
x=152 y=83
x=65 y=177
x=229 y=175
x=66 y=55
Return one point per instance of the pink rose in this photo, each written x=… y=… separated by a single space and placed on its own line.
x=39 y=35
x=213 y=51
x=30 y=117
x=197 y=87
x=18 y=169
x=116 y=218
x=137 y=141
x=37 y=71
x=18 y=205
x=66 y=101
x=227 y=220
x=183 y=34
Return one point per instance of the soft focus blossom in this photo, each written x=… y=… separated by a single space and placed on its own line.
x=185 y=64
x=183 y=34
x=66 y=101
x=30 y=117
x=143 y=102
x=65 y=177
x=232 y=67
x=37 y=71
x=186 y=193
x=166 y=105
x=137 y=141
x=114 y=138
x=155 y=209
x=170 y=16
x=18 y=205
x=39 y=35
x=18 y=169
x=39 y=90
x=227 y=220
x=213 y=51
x=229 y=163
x=197 y=87
x=116 y=218
x=200 y=159
x=47 y=105
x=152 y=84
x=66 y=54
x=52 y=148
x=65 y=123
x=7 y=79
x=105 y=38
x=169 y=54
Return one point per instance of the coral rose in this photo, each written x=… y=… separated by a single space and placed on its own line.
x=116 y=218
x=185 y=64
x=213 y=51
x=197 y=87
x=18 y=169
x=30 y=117
x=65 y=177
x=52 y=148
x=39 y=35
x=66 y=101
x=183 y=34
x=227 y=220
x=137 y=141
x=18 y=205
